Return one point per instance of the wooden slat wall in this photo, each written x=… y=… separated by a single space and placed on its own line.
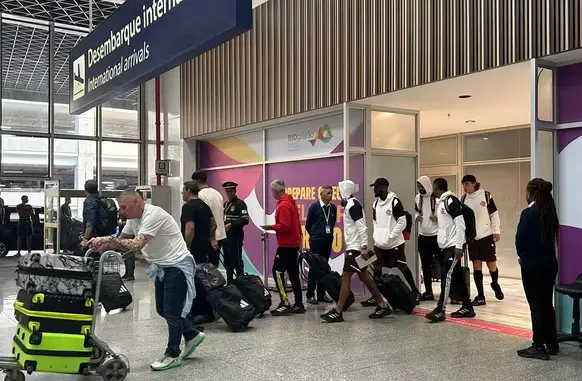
x=308 y=54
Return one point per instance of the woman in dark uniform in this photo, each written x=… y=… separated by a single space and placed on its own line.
x=535 y=243
x=25 y=213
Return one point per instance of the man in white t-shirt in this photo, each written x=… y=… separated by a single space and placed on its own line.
x=157 y=235
x=214 y=200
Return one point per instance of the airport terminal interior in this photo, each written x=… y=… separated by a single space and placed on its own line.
x=480 y=124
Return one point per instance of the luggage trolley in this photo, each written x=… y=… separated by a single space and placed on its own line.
x=104 y=361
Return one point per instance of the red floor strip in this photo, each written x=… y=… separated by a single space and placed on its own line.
x=484 y=326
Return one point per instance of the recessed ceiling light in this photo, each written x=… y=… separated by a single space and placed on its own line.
x=485 y=138
x=464 y=96
x=470 y=121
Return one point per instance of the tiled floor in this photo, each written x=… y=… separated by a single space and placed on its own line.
x=301 y=348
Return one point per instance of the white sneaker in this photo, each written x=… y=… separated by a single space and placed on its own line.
x=191 y=345
x=166 y=363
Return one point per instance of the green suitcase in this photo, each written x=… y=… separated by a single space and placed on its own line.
x=51 y=352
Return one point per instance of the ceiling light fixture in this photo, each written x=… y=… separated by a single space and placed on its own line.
x=464 y=96
x=485 y=138
x=470 y=121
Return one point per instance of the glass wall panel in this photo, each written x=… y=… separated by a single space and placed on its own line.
x=119 y=165
x=25 y=65
x=120 y=116
x=25 y=156
x=545 y=95
x=497 y=145
x=393 y=131
x=357 y=130
x=438 y=151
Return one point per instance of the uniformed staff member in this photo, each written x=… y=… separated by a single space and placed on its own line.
x=236 y=217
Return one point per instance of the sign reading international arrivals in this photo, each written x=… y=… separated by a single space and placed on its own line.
x=145 y=38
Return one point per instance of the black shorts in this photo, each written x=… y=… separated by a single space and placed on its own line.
x=482 y=249
x=390 y=257
x=350 y=264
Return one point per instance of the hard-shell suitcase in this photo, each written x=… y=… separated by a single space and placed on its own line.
x=53 y=313
x=253 y=290
x=51 y=352
x=209 y=277
x=232 y=307
x=55 y=273
x=113 y=293
x=398 y=294
x=331 y=283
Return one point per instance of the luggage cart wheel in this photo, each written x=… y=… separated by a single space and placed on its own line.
x=114 y=370
x=15 y=375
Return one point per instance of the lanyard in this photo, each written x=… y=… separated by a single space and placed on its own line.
x=328 y=213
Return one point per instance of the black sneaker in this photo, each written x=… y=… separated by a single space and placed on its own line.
x=534 y=353
x=325 y=299
x=128 y=278
x=436 y=316
x=283 y=309
x=312 y=301
x=381 y=312
x=298 y=309
x=553 y=350
x=464 y=313
x=497 y=289
x=371 y=302
x=478 y=301
x=426 y=296
x=418 y=298
x=332 y=316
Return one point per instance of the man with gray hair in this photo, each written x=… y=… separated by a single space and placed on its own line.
x=288 y=231
x=158 y=236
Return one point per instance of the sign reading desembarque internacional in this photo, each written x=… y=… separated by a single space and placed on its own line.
x=145 y=38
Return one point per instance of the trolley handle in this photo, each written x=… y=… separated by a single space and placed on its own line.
x=122 y=256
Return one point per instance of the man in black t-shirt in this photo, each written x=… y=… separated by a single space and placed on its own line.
x=198 y=225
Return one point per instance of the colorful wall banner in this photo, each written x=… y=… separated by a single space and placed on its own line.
x=232 y=150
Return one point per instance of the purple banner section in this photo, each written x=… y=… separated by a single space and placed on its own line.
x=569 y=82
x=566 y=137
x=250 y=189
x=570 y=258
x=210 y=156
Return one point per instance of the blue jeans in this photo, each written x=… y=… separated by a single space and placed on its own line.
x=170 y=296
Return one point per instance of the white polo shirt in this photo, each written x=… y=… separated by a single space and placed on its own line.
x=213 y=199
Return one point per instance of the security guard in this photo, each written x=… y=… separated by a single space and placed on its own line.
x=236 y=217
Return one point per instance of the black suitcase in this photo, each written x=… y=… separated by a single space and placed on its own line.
x=209 y=277
x=331 y=283
x=466 y=272
x=253 y=290
x=113 y=293
x=398 y=294
x=232 y=307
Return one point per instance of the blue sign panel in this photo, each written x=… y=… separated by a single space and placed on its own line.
x=145 y=38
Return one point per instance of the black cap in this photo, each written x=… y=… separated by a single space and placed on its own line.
x=229 y=185
x=469 y=179
x=380 y=182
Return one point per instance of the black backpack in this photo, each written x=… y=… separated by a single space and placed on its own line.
x=108 y=215
x=468 y=216
x=408 y=228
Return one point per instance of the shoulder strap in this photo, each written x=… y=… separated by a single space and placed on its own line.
x=432 y=203
x=420 y=202
x=463 y=198
x=487 y=197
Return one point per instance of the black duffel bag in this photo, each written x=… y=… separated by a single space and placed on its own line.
x=253 y=290
x=332 y=283
x=209 y=277
x=318 y=264
x=398 y=294
x=232 y=307
x=113 y=293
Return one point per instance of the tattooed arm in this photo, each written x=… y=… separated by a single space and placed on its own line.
x=131 y=244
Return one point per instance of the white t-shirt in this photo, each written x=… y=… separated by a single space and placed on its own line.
x=167 y=246
x=213 y=199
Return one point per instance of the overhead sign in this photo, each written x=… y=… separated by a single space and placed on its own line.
x=145 y=38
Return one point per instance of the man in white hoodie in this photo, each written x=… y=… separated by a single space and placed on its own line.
x=356 y=244
x=428 y=248
x=482 y=248
x=389 y=223
x=451 y=239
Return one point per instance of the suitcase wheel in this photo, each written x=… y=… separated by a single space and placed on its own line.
x=114 y=370
x=15 y=375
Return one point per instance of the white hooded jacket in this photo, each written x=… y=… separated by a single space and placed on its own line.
x=389 y=222
x=355 y=230
x=451 y=224
x=426 y=227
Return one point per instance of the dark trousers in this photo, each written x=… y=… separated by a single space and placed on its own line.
x=170 y=297
x=428 y=249
x=214 y=255
x=538 y=276
x=130 y=264
x=452 y=277
x=24 y=230
x=286 y=261
x=233 y=261
x=321 y=247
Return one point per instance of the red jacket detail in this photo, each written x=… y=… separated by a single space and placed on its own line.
x=287 y=224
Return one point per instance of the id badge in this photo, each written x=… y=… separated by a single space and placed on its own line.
x=327 y=229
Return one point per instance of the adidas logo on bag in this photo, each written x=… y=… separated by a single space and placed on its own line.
x=243 y=304
x=266 y=292
x=123 y=289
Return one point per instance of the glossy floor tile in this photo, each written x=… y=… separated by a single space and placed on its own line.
x=402 y=347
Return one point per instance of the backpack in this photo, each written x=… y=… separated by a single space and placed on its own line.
x=407 y=229
x=107 y=216
x=432 y=204
x=469 y=217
